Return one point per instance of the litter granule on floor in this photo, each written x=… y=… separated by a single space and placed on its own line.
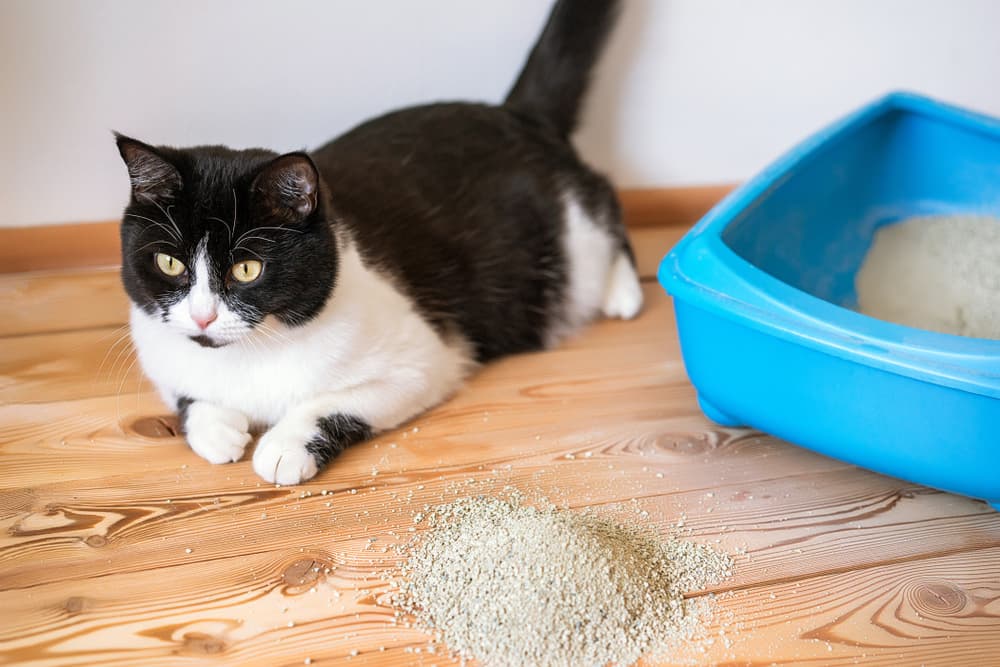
x=512 y=584
x=940 y=273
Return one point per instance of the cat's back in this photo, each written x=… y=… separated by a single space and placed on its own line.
x=441 y=155
x=465 y=206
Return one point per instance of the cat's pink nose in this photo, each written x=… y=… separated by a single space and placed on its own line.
x=204 y=320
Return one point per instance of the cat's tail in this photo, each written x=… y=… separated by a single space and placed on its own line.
x=555 y=77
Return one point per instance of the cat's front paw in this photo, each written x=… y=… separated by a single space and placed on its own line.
x=282 y=457
x=216 y=434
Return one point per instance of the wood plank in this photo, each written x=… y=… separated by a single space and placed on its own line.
x=70 y=300
x=69 y=365
x=70 y=246
x=939 y=611
x=94 y=244
x=670 y=206
x=843 y=512
x=240 y=605
x=256 y=612
x=74 y=299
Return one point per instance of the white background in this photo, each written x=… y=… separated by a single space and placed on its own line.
x=690 y=91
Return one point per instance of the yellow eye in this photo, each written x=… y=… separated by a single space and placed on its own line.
x=171 y=266
x=248 y=271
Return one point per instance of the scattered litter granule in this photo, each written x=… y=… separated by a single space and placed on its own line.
x=940 y=273
x=511 y=585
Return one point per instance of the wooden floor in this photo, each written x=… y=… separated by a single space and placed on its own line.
x=121 y=547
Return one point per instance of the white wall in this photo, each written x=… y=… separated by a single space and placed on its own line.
x=691 y=91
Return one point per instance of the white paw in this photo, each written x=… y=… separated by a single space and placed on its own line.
x=218 y=435
x=623 y=295
x=281 y=456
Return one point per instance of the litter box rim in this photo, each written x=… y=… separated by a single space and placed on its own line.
x=704 y=271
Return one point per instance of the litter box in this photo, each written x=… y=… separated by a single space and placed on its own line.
x=764 y=295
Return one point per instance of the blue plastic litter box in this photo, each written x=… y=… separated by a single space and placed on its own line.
x=764 y=294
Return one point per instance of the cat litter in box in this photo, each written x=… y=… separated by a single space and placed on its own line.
x=766 y=292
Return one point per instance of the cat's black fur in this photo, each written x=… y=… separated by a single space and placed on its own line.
x=457 y=200
x=336 y=433
x=460 y=205
x=184 y=193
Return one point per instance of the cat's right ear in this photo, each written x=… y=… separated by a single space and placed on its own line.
x=153 y=177
x=288 y=187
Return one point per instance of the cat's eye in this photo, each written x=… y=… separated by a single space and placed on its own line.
x=170 y=266
x=248 y=271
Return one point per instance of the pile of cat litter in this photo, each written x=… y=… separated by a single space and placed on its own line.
x=511 y=584
x=940 y=273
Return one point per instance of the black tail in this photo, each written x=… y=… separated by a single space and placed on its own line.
x=554 y=80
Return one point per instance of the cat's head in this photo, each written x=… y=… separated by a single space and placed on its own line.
x=216 y=240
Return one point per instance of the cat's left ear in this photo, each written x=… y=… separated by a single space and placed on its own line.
x=152 y=176
x=288 y=187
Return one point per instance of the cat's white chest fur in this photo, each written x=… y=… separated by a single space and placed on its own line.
x=367 y=341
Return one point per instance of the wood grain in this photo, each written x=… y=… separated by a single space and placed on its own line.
x=69 y=300
x=119 y=546
x=670 y=206
x=95 y=244
x=71 y=246
x=936 y=611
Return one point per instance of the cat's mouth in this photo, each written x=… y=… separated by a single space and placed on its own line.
x=205 y=341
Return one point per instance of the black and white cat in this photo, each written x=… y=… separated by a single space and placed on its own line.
x=322 y=298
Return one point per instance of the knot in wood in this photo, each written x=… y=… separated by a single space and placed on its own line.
x=204 y=644
x=938 y=599
x=160 y=426
x=96 y=541
x=77 y=604
x=680 y=444
x=303 y=572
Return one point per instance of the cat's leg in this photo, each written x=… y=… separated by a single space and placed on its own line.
x=305 y=439
x=216 y=434
x=311 y=434
x=623 y=294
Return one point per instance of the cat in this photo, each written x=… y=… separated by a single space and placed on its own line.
x=321 y=298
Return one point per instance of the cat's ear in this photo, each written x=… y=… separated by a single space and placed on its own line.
x=152 y=176
x=288 y=187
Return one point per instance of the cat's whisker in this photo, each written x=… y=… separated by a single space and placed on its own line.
x=249 y=342
x=113 y=332
x=263 y=331
x=223 y=223
x=229 y=227
x=171 y=219
x=273 y=334
x=261 y=238
x=121 y=337
x=260 y=257
x=275 y=330
x=166 y=212
x=255 y=345
x=123 y=354
x=233 y=228
x=260 y=229
x=279 y=228
x=175 y=235
x=301 y=317
x=121 y=385
x=168 y=243
x=138 y=388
